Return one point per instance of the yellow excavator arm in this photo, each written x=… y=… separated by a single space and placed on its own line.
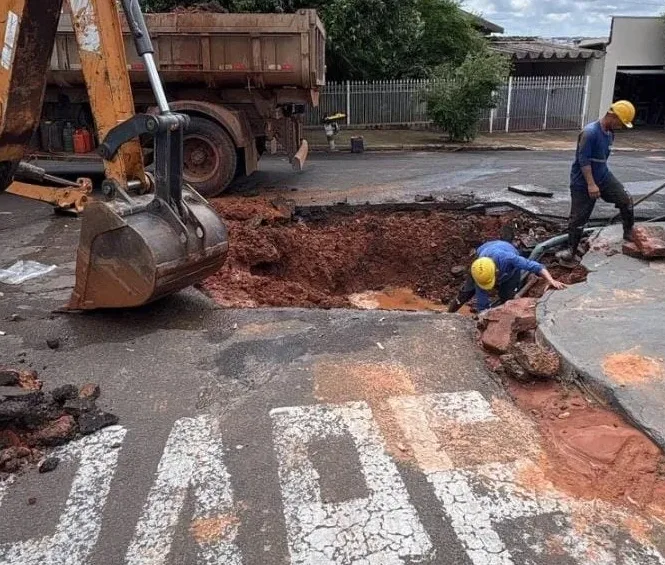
x=149 y=234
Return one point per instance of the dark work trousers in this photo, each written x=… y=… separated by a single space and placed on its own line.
x=507 y=291
x=582 y=206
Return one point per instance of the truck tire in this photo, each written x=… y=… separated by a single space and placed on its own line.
x=210 y=157
x=7 y=170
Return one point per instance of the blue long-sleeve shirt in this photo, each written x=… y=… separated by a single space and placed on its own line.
x=508 y=261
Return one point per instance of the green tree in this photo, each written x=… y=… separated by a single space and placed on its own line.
x=448 y=35
x=461 y=92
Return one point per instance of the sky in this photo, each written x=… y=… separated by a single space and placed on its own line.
x=555 y=18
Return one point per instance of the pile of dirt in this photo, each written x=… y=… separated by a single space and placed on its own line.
x=32 y=420
x=280 y=258
x=537 y=286
x=591 y=452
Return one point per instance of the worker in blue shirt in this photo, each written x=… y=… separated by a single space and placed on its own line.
x=498 y=265
x=590 y=178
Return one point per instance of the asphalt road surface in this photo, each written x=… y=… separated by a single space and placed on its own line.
x=290 y=436
x=401 y=176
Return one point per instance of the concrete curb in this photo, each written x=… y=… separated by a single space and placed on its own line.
x=446 y=147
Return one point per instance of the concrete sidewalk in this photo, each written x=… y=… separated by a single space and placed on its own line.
x=432 y=140
x=610 y=331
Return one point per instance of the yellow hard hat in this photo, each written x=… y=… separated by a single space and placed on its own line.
x=483 y=271
x=625 y=111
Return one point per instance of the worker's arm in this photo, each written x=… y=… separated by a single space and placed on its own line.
x=482 y=299
x=558 y=285
x=585 y=156
x=538 y=269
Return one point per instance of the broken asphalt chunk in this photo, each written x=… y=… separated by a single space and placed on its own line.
x=90 y=422
x=49 y=465
x=9 y=377
x=78 y=406
x=65 y=392
x=531 y=190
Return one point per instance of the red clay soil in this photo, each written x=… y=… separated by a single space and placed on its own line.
x=593 y=453
x=567 y=276
x=279 y=260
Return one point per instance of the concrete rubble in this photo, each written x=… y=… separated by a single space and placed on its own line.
x=501 y=327
x=32 y=420
x=648 y=243
x=508 y=331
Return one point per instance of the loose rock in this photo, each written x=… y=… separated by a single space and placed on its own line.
x=54 y=433
x=502 y=325
x=64 y=393
x=650 y=240
x=90 y=422
x=79 y=406
x=514 y=369
x=9 y=377
x=537 y=360
x=49 y=465
x=89 y=390
x=631 y=249
x=53 y=343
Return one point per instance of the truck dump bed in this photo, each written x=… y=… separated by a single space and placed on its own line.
x=216 y=50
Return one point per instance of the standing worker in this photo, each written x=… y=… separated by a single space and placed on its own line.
x=590 y=178
x=499 y=265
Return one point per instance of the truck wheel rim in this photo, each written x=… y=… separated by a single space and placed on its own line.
x=202 y=158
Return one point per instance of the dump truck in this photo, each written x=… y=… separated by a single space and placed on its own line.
x=148 y=234
x=244 y=80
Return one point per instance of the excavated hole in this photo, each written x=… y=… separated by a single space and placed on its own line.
x=353 y=257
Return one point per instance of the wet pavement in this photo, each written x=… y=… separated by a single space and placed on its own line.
x=610 y=329
x=480 y=177
x=275 y=436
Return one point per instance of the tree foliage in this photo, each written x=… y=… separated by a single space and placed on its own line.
x=461 y=92
x=374 y=39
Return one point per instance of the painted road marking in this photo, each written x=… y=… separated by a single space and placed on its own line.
x=496 y=509
x=415 y=413
x=478 y=500
x=381 y=529
x=193 y=458
x=77 y=531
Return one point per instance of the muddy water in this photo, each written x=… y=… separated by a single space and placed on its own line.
x=394 y=299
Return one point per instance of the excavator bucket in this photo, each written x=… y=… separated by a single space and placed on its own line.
x=128 y=257
x=137 y=248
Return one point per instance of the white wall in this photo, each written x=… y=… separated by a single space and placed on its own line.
x=634 y=42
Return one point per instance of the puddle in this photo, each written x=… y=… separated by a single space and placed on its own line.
x=393 y=299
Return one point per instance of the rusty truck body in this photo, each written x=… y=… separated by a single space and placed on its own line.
x=244 y=79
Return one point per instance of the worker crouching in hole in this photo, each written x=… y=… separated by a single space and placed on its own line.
x=498 y=266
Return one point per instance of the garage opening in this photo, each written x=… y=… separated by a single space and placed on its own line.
x=645 y=87
x=360 y=257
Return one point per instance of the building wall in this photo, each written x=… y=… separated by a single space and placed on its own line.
x=634 y=42
x=525 y=68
